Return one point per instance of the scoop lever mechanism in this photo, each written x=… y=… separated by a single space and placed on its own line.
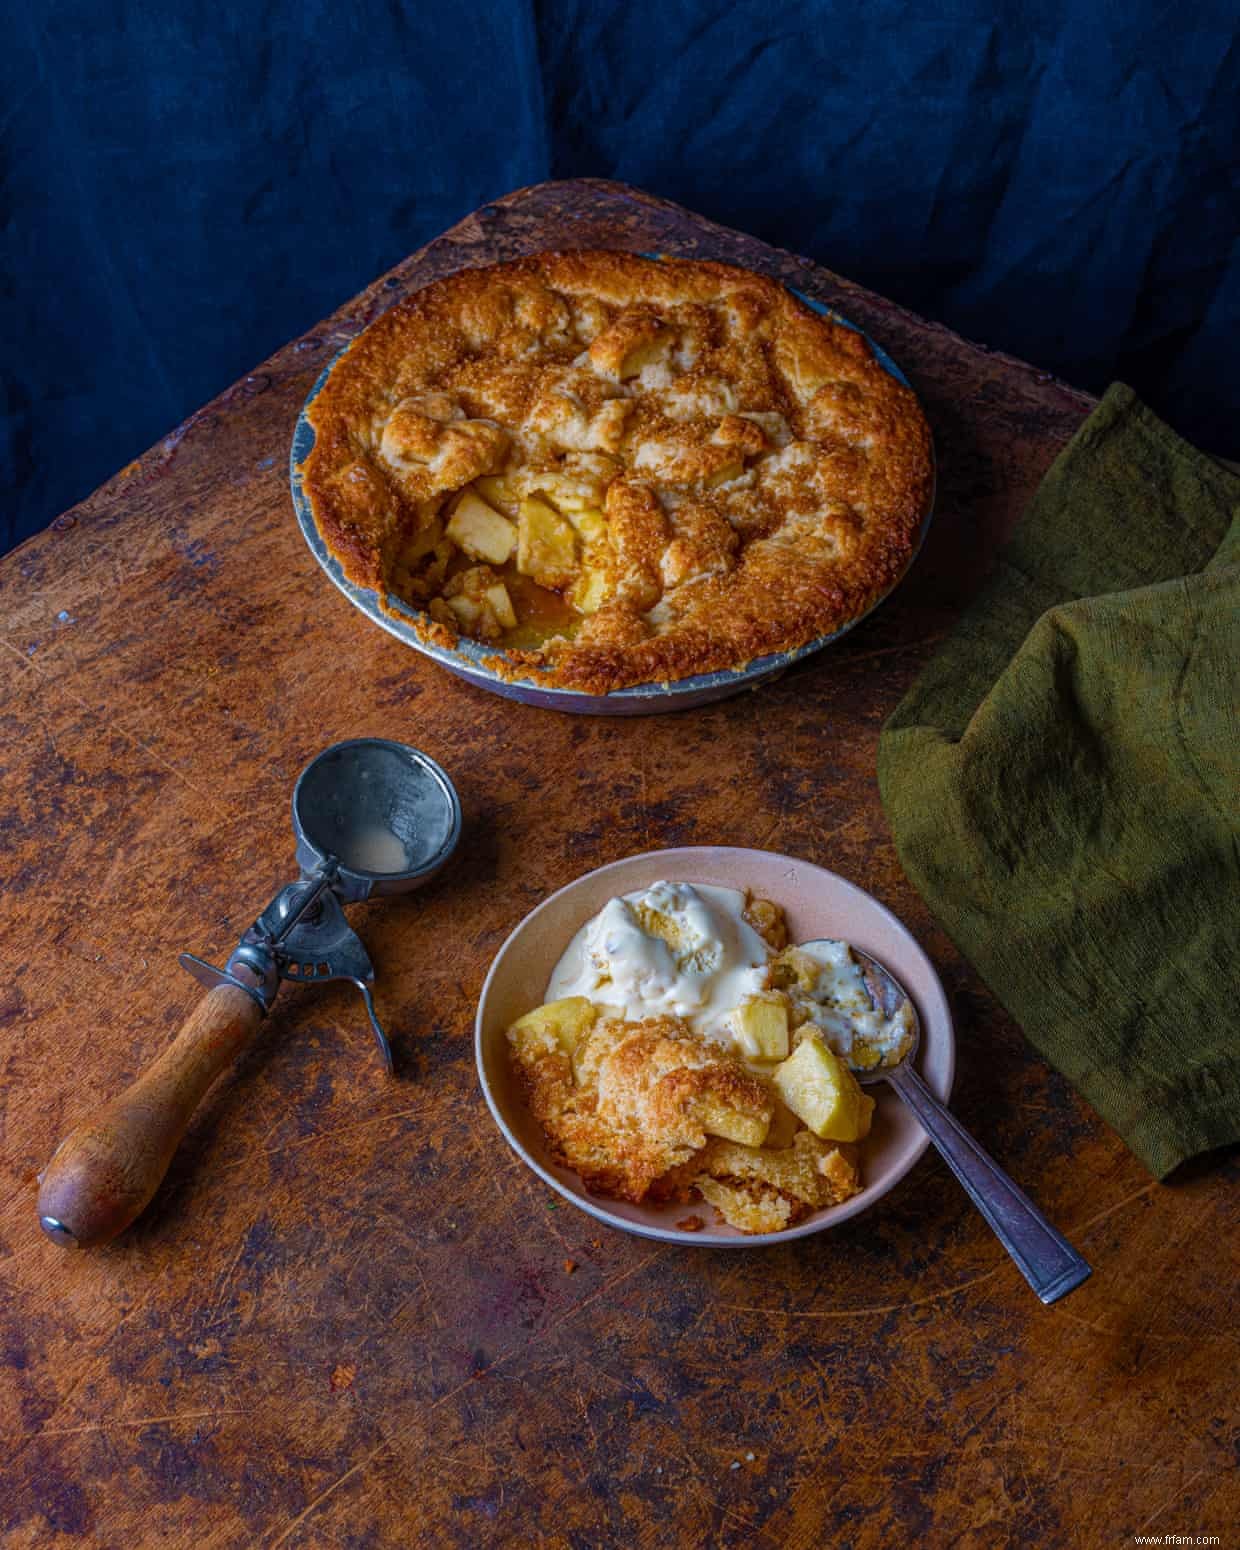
x=301 y=936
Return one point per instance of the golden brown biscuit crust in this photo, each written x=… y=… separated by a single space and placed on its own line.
x=761 y=477
x=765 y=1189
x=637 y=1111
x=637 y=1100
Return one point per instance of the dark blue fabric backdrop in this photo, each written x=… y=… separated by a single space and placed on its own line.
x=188 y=184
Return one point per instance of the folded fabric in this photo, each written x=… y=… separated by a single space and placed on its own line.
x=1063 y=781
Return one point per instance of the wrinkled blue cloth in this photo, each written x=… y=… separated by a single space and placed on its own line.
x=187 y=186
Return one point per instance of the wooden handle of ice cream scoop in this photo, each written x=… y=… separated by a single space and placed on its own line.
x=103 y=1174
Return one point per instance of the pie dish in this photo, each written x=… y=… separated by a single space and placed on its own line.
x=599 y=470
x=816 y=902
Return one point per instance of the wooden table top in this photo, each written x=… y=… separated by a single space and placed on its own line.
x=350 y=1317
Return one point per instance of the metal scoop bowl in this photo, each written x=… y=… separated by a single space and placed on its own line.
x=370 y=818
x=1044 y=1257
x=384 y=813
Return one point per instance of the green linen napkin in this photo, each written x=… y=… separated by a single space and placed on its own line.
x=1063 y=781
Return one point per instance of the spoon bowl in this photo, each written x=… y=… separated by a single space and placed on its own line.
x=888 y=996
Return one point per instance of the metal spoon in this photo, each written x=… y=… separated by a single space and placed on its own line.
x=1044 y=1257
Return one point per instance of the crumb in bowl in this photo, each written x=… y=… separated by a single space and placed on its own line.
x=686 y=1053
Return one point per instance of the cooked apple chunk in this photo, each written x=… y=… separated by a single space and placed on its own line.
x=590 y=524
x=418 y=545
x=590 y=592
x=498 y=491
x=481 y=531
x=761 y=1026
x=546 y=545
x=794 y=969
x=724 y=474
x=591 y=588
x=478 y=604
x=784 y=1128
x=820 y=1090
x=467 y=613
x=563 y=1023
x=500 y=601
x=566 y=494
x=732 y=1123
x=768 y=921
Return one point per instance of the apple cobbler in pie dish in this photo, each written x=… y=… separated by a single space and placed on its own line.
x=617 y=470
x=687 y=1053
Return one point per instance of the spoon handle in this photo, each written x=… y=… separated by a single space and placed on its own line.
x=1044 y=1257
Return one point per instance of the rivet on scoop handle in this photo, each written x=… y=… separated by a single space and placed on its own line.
x=104 y=1173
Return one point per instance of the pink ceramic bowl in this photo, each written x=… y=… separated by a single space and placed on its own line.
x=818 y=904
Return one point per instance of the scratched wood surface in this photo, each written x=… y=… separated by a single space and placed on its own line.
x=350 y=1318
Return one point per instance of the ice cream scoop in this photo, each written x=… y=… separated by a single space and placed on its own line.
x=370 y=818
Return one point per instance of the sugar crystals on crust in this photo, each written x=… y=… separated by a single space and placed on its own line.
x=642 y=469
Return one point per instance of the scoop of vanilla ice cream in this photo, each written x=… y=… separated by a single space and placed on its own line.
x=673 y=949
